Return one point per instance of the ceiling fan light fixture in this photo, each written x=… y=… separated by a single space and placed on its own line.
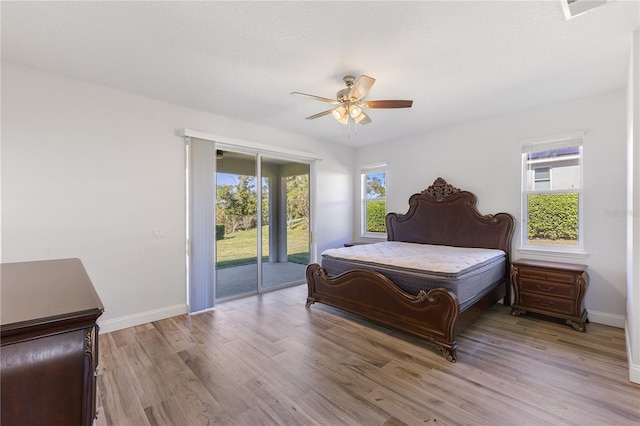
x=355 y=111
x=358 y=118
x=340 y=114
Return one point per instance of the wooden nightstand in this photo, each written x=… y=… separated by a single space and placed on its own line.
x=550 y=288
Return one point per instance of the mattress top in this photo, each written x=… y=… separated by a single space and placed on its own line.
x=421 y=257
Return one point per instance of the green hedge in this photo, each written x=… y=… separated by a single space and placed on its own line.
x=553 y=216
x=376 y=211
x=219 y=232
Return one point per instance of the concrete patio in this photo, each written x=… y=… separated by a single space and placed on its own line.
x=242 y=280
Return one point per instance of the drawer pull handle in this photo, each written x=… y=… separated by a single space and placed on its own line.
x=544 y=288
x=547 y=304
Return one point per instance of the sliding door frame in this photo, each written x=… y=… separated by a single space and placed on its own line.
x=195 y=287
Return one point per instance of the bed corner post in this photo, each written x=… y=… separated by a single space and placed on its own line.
x=312 y=270
x=507 y=294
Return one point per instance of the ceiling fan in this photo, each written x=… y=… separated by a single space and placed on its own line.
x=349 y=101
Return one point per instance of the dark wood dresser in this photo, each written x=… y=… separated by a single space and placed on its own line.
x=49 y=339
x=550 y=288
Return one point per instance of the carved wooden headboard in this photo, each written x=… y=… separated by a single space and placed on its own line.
x=445 y=215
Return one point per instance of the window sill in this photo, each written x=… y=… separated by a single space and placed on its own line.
x=374 y=235
x=370 y=238
x=577 y=254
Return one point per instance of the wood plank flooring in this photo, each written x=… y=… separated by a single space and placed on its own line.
x=267 y=360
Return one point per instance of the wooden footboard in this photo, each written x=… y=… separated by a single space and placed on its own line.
x=431 y=315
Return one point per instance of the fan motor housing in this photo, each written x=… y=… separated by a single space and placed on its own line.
x=343 y=95
x=349 y=80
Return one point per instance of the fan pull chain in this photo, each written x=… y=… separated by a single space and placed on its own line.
x=351 y=122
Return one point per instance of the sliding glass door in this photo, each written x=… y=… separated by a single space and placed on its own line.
x=285 y=225
x=237 y=212
x=262 y=223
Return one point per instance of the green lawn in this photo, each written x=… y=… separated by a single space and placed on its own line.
x=239 y=248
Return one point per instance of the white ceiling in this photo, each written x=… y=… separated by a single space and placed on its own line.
x=458 y=60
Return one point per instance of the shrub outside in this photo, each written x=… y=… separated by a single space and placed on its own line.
x=376 y=212
x=553 y=216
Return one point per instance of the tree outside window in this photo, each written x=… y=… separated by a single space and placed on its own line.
x=374 y=204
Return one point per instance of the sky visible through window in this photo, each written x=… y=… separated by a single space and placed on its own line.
x=232 y=179
x=373 y=181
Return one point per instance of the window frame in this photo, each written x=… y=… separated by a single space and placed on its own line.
x=540 y=145
x=364 y=171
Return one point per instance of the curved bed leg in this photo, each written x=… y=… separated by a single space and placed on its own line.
x=310 y=301
x=450 y=354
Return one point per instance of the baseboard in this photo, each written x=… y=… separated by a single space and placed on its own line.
x=605 y=318
x=141 y=318
x=634 y=369
x=634 y=373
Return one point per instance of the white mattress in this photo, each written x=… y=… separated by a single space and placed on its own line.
x=467 y=272
x=443 y=260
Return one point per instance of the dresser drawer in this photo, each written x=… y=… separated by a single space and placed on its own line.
x=548 y=304
x=541 y=274
x=550 y=288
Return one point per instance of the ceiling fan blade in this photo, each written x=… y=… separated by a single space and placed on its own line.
x=320 y=114
x=387 y=104
x=317 y=98
x=361 y=87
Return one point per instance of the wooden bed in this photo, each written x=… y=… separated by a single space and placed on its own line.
x=439 y=215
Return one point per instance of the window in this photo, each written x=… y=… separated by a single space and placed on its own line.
x=542 y=178
x=374 y=204
x=552 y=193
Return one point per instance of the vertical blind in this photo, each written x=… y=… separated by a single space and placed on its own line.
x=201 y=182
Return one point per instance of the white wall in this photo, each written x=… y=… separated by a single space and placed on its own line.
x=633 y=212
x=484 y=157
x=88 y=172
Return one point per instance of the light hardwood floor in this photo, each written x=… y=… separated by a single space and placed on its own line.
x=269 y=360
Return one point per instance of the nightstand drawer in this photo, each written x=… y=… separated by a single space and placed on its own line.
x=547 y=275
x=549 y=304
x=547 y=287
